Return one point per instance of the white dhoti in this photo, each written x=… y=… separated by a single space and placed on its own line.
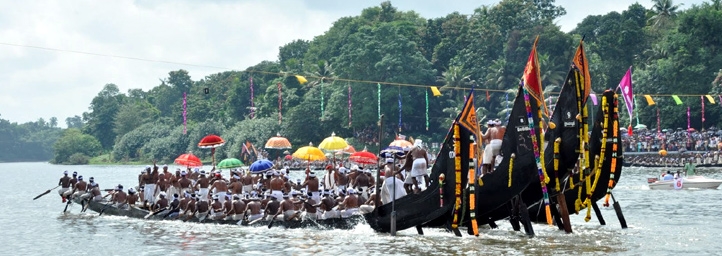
x=329 y=215
x=348 y=212
x=492 y=149
x=253 y=217
x=310 y=216
x=316 y=196
x=62 y=191
x=364 y=191
x=203 y=194
x=366 y=209
x=247 y=188
x=200 y=215
x=418 y=168
x=149 y=193
x=216 y=215
x=288 y=214
x=277 y=194
x=221 y=196
x=98 y=198
x=235 y=217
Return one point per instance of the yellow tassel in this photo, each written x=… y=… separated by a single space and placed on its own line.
x=549 y=215
x=481 y=182
x=589 y=214
x=511 y=167
x=577 y=205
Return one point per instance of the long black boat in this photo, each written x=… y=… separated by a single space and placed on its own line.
x=104 y=208
x=606 y=164
x=565 y=127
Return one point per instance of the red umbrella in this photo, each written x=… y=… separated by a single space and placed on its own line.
x=189 y=160
x=363 y=157
x=288 y=157
x=211 y=141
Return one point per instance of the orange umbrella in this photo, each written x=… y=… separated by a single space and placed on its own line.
x=278 y=142
x=189 y=160
x=405 y=144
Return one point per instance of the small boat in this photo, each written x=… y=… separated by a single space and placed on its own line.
x=138 y=213
x=691 y=182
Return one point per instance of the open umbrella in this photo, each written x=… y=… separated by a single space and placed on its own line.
x=403 y=144
x=260 y=166
x=288 y=157
x=309 y=153
x=188 y=160
x=229 y=163
x=278 y=142
x=363 y=157
x=333 y=143
x=392 y=151
x=211 y=141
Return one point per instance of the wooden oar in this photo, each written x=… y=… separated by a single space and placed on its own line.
x=618 y=210
x=45 y=193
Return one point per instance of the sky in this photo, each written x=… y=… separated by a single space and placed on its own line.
x=55 y=56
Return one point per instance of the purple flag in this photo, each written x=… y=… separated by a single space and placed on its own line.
x=184 y=113
x=626 y=86
x=594 y=98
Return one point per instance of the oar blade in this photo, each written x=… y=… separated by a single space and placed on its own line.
x=44 y=193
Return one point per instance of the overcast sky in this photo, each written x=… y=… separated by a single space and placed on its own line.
x=43 y=76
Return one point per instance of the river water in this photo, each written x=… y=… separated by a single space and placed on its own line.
x=660 y=223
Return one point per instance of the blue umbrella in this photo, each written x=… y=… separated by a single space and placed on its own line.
x=260 y=166
x=392 y=151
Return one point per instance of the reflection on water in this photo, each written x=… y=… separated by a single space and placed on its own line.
x=660 y=222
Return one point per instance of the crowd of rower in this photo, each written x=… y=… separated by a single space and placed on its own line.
x=193 y=192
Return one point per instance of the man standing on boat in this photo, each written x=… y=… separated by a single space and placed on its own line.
x=221 y=189
x=311 y=185
x=149 y=186
x=387 y=189
x=277 y=185
x=247 y=182
x=493 y=137
x=185 y=183
x=341 y=179
x=418 y=161
x=689 y=168
x=64 y=184
x=329 y=180
x=202 y=186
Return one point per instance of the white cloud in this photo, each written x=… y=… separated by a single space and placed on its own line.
x=233 y=34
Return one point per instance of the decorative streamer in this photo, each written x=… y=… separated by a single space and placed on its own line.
x=659 y=130
x=399 y=109
x=426 y=96
x=649 y=99
x=677 y=99
x=543 y=178
x=253 y=107
x=688 y=123
x=184 y=113
x=321 y=97
x=457 y=172
x=470 y=186
x=615 y=145
x=599 y=161
x=506 y=99
x=378 y=104
x=349 y=105
x=280 y=105
x=702 y=98
x=709 y=97
x=488 y=97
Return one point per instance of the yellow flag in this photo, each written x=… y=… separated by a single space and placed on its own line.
x=650 y=101
x=710 y=99
x=435 y=91
x=301 y=79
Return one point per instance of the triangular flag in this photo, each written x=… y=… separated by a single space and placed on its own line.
x=677 y=100
x=580 y=61
x=532 y=78
x=649 y=99
x=467 y=118
x=594 y=98
x=627 y=94
x=435 y=91
x=301 y=79
x=710 y=99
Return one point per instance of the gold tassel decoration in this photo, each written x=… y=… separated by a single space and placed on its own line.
x=511 y=167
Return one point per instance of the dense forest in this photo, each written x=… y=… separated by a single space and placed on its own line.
x=394 y=57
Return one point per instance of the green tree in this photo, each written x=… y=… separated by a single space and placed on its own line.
x=100 y=121
x=74 y=142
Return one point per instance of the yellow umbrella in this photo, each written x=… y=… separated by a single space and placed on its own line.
x=309 y=153
x=405 y=144
x=333 y=143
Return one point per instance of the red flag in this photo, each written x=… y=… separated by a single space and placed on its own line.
x=629 y=130
x=532 y=77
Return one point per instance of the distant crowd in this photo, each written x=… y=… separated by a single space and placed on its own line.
x=673 y=140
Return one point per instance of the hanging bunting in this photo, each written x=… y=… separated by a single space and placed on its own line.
x=349 y=105
x=594 y=98
x=508 y=111
x=184 y=114
x=488 y=97
x=677 y=100
x=688 y=123
x=253 y=108
x=321 y=97
x=709 y=97
x=426 y=96
x=280 y=106
x=650 y=101
x=702 y=98
x=378 y=104
x=301 y=79
x=659 y=130
x=435 y=91
x=399 y=109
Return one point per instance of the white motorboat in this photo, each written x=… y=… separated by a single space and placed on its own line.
x=691 y=182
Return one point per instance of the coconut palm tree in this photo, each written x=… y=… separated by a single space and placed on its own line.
x=664 y=11
x=499 y=75
x=454 y=78
x=552 y=74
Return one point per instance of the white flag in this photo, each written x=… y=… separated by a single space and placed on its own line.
x=678 y=183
